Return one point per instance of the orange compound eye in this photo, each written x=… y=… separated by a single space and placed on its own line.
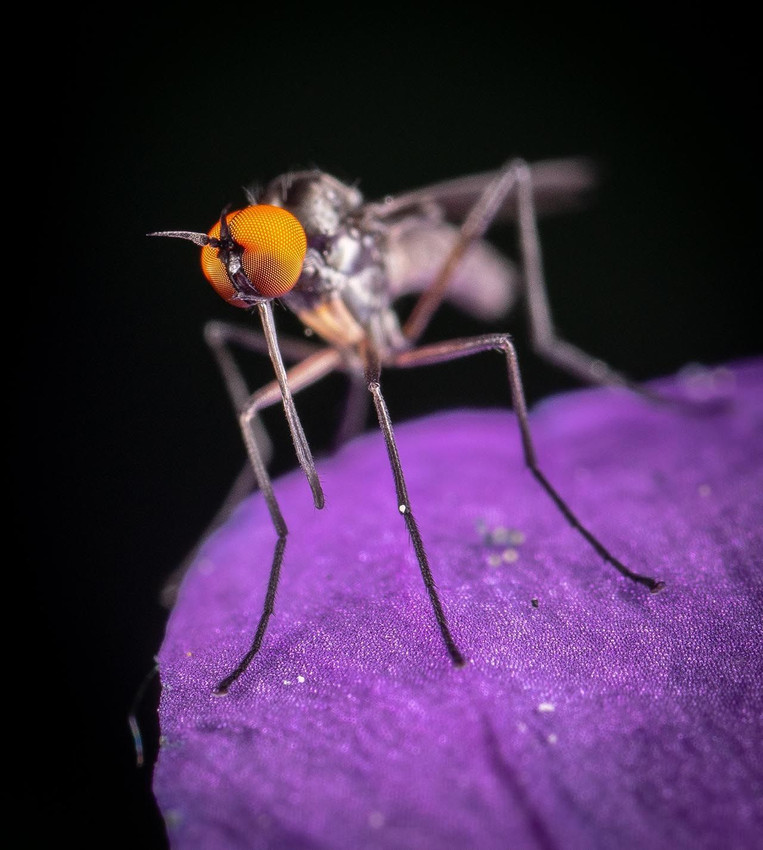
x=273 y=244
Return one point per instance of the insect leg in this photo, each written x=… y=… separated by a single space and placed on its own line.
x=454 y=349
x=544 y=337
x=224 y=684
x=246 y=416
x=300 y=376
x=220 y=337
x=474 y=226
x=404 y=506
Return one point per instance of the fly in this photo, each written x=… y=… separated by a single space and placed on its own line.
x=340 y=264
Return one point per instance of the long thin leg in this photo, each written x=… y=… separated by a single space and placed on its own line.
x=516 y=176
x=544 y=336
x=404 y=506
x=453 y=349
x=304 y=374
x=298 y=377
x=475 y=226
x=248 y=414
x=267 y=610
x=220 y=336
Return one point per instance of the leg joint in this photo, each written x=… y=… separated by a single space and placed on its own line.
x=503 y=342
x=249 y=411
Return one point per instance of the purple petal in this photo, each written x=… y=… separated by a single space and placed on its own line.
x=591 y=713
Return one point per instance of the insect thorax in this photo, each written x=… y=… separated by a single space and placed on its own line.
x=345 y=255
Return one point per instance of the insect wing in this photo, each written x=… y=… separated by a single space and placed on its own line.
x=484 y=284
x=559 y=185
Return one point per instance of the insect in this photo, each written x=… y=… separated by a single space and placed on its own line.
x=340 y=264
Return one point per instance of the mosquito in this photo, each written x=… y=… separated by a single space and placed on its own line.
x=340 y=264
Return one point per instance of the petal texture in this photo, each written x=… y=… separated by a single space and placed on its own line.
x=590 y=714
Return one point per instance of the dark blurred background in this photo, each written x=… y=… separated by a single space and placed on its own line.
x=128 y=441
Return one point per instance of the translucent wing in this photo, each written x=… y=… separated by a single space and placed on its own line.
x=559 y=184
x=423 y=226
x=484 y=284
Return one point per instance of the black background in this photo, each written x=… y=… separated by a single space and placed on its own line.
x=126 y=438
